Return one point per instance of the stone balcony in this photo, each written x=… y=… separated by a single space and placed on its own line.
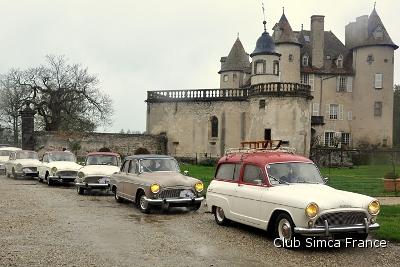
x=239 y=94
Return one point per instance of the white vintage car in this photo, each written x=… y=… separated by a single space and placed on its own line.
x=97 y=171
x=286 y=195
x=58 y=166
x=22 y=163
x=5 y=156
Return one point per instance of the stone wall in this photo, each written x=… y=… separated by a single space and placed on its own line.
x=125 y=144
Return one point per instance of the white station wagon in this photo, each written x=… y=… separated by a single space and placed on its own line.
x=286 y=195
x=5 y=156
x=22 y=163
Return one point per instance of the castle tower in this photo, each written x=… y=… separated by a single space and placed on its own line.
x=265 y=60
x=235 y=68
x=373 y=62
x=288 y=46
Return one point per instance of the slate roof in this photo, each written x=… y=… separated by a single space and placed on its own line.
x=333 y=47
x=265 y=45
x=283 y=32
x=237 y=60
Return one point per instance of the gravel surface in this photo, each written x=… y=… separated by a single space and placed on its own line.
x=54 y=226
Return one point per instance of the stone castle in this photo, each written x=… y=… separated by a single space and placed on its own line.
x=298 y=86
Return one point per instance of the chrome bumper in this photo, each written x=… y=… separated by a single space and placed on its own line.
x=62 y=178
x=174 y=200
x=92 y=185
x=327 y=230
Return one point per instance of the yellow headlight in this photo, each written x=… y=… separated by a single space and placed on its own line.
x=199 y=187
x=81 y=174
x=155 y=188
x=54 y=170
x=312 y=210
x=374 y=207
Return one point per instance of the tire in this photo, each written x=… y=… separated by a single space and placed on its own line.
x=284 y=230
x=117 y=198
x=80 y=190
x=142 y=204
x=14 y=175
x=219 y=216
x=195 y=207
x=49 y=182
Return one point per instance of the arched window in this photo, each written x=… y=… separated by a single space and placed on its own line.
x=339 y=62
x=305 y=61
x=214 y=126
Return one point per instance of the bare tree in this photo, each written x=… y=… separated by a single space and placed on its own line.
x=65 y=96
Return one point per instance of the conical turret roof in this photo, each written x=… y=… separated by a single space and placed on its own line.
x=377 y=34
x=237 y=60
x=283 y=32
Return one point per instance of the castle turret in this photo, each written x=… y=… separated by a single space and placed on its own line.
x=265 y=60
x=235 y=68
x=373 y=58
x=288 y=46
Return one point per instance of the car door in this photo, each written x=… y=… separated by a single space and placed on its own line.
x=120 y=177
x=42 y=168
x=246 y=203
x=130 y=186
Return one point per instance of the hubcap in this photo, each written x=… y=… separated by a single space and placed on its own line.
x=284 y=229
x=220 y=214
x=143 y=202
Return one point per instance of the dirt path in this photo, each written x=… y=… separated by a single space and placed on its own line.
x=54 y=226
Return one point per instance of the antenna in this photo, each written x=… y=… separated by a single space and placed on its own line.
x=264 y=21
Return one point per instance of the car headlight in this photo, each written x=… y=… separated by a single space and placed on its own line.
x=312 y=210
x=54 y=170
x=199 y=187
x=81 y=174
x=19 y=167
x=374 y=207
x=155 y=188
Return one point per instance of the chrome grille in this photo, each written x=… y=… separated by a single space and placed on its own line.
x=341 y=218
x=67 y=173
x=171 y=193
x=32 y=169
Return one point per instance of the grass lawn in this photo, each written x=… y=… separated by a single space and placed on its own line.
x=389 y=220
x=361 y=179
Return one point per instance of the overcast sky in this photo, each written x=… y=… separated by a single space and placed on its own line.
x=135 y=45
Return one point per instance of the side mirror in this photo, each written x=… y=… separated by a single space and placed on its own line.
x=326 y=180
x=185 y=173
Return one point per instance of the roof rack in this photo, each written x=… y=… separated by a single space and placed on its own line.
x=261 y=146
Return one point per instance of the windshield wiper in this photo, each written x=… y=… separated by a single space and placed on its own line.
x=278 y=180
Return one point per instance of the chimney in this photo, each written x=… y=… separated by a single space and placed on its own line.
x=317 y=40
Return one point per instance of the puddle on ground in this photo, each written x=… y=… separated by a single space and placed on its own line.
x=147 y=218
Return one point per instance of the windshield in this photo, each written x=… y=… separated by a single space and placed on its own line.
x=26 y=155
x=157 y=165
x=102 y=160
x=61 y=156
x=293 y=172
x=4 y=153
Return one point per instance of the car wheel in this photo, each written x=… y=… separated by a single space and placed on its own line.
x=117 y=198
x=284 y=230
x=142 y=204
x=49 y=182
x=195 y=207
x=14 y=174
x=80 y=190
x=219 y=216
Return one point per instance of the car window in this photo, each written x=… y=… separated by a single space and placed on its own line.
x=133 y=167
x=125 y=166
x=228 y=171
x=236 y=174
x=253 y=175
x=45 y=158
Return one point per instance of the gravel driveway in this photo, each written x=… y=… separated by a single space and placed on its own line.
x=54 y=226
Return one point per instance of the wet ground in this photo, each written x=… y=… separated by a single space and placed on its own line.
x=54 y=226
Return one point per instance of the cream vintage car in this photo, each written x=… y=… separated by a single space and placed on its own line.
x=156 y=181
x=22 y=163
x=5 y=152
x=286 y=195
x=58 y=166
x=97 y=171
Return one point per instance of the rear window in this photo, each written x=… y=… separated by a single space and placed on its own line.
x=228 y=171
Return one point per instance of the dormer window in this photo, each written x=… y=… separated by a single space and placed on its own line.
x=378 y=33
x=304 y=61
x=339 y=62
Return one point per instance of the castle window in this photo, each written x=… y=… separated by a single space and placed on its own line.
x=328 y=57
x=378 y=109
x=290 y=57
x=226 y=78
x=339 y=62
x=305 y=61
x=344 y=84
x=350 y=115
x=378 y=80
x=234 y=76
x=214 y=126
x=329 y=138
x=370 y=59
x=315 y=109
x=276 y=67
x=259 y=67
x=346 y=138
x=333 y=111
x=307 y=79
x=262 y=104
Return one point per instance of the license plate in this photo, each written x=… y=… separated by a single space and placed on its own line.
x=186 y=194
x=104 y=181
